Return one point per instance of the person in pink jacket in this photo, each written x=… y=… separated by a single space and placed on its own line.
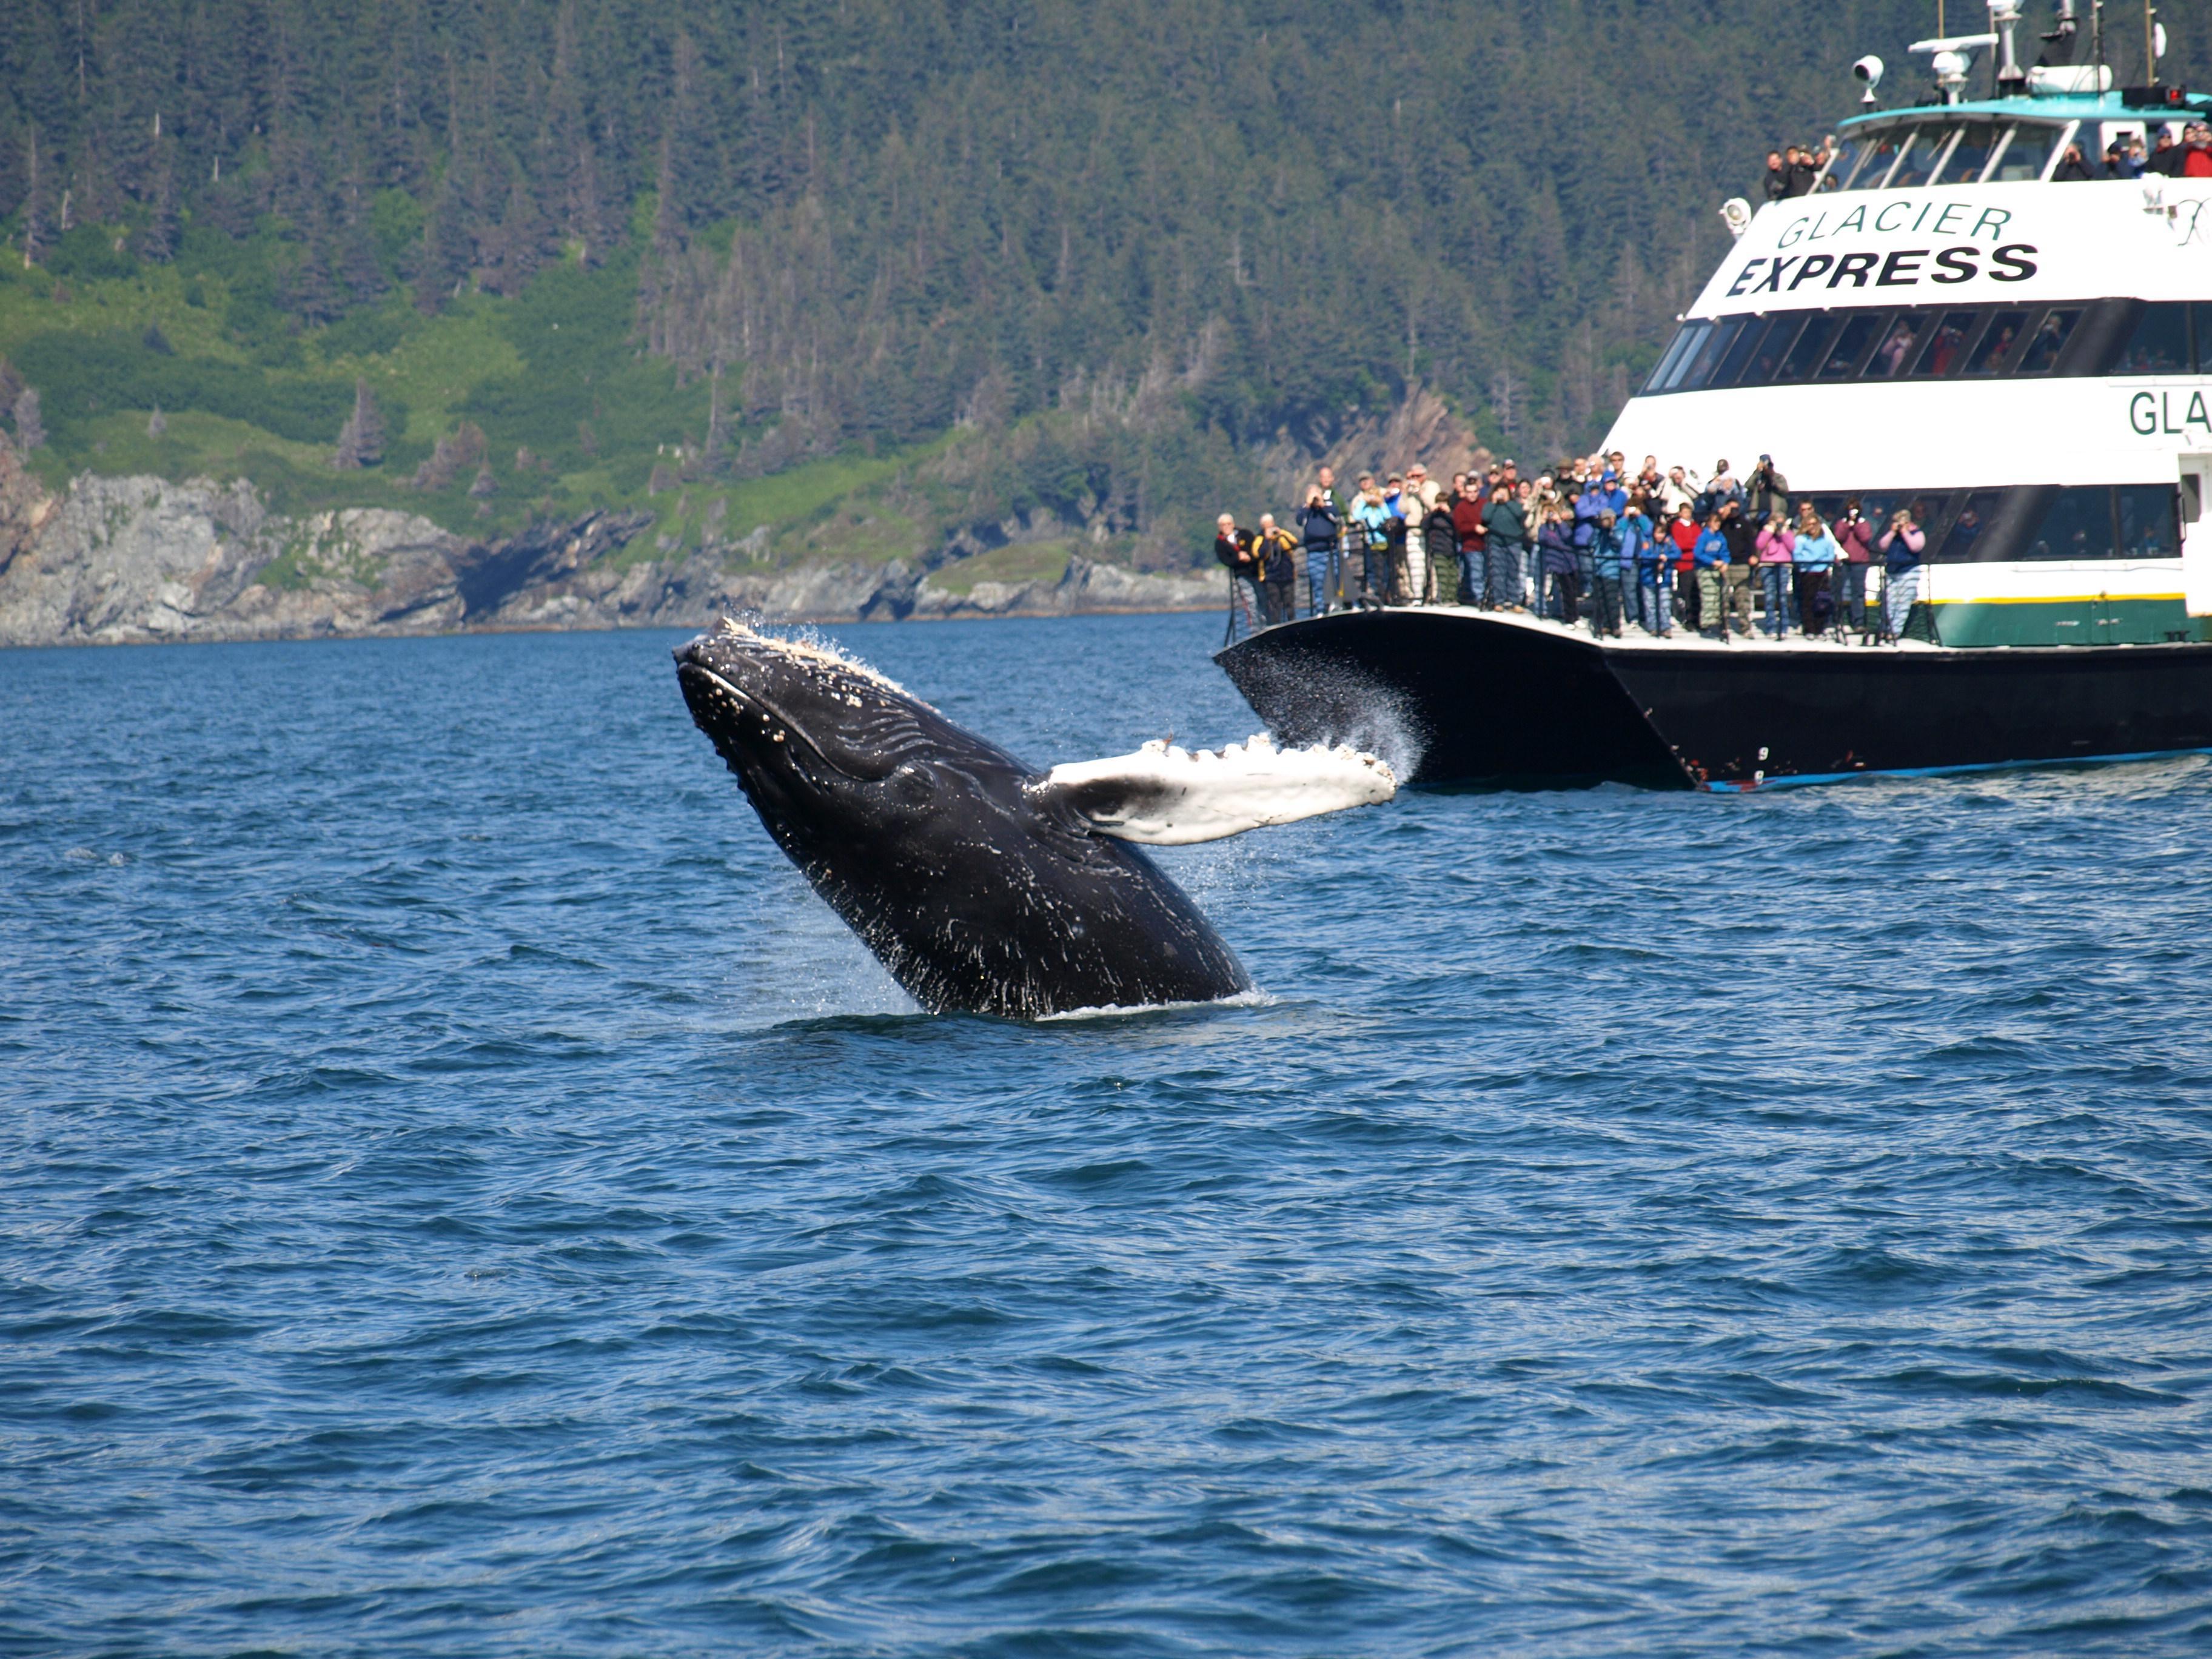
x=1771 y=554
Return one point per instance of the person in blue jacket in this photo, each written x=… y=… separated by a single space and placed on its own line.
x=1606 y=564
x=1639 y=569
x=1372 y=516
x=1709 y=555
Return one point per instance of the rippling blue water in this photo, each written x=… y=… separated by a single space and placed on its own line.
x=464 y=1194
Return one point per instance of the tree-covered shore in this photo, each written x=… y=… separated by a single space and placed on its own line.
x=839 y=277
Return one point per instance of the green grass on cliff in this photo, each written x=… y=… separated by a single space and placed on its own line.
x=575 y=415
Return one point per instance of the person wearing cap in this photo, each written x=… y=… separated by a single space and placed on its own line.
x=2165 y=157
x=1766 y=492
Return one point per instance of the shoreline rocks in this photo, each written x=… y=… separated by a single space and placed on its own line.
x=113 y=561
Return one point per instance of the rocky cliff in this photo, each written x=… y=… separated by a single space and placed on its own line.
x=126 y=560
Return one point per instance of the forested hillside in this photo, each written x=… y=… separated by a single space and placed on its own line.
x=837 y=263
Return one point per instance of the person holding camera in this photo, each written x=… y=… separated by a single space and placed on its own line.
x=1901 y=546
x=1232 y=551
x=1776 y=546
x=1766 y=492
x=1853 y=534
x=1506 y=522
x=1275 y=558
x=1320 y=529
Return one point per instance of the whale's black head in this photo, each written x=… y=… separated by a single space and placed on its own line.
x=977 y=889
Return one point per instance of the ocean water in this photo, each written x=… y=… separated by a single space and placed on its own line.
x=461 y=1193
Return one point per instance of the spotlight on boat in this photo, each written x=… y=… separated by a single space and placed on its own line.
x=1868 y=69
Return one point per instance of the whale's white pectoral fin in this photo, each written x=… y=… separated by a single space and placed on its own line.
x=1169 y=797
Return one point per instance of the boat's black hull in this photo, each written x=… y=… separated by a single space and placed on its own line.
x=1489 y=700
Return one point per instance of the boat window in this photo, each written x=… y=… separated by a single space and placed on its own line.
x=1686 y=344
x=1773 y=346
x=2160 y=344
x=1860 y=330
x=2148 y=521
x=2027 y=156
x=2041 y=355
x=1711 y=351
x=1732 y=366
x=1921 y=157
x=1994 y=351
x=1876 y=157
x=1970 y=514
x=1896 y=347
x=1841 y=165
x=1946 y=340
x=2077 y=525
x=1811 y=349
x=1977 y=139
x=1668 y=358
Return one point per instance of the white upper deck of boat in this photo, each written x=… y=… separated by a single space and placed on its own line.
x=1953 y=305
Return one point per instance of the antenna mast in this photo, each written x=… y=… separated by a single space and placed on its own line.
x=2150 y=44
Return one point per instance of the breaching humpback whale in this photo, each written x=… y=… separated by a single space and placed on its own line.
x=982 y=885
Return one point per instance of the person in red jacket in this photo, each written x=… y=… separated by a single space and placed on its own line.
x=1682 y=531
x=1474 y=534
x=2197 y=152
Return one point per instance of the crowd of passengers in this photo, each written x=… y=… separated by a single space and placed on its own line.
x=1587 y=542
x=1795 y=169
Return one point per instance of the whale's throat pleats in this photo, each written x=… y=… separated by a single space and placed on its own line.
x=1169 y=797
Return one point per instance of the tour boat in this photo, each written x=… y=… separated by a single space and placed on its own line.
x=1945 y=322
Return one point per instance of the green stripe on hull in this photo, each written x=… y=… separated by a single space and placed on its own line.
x=1967 y=624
